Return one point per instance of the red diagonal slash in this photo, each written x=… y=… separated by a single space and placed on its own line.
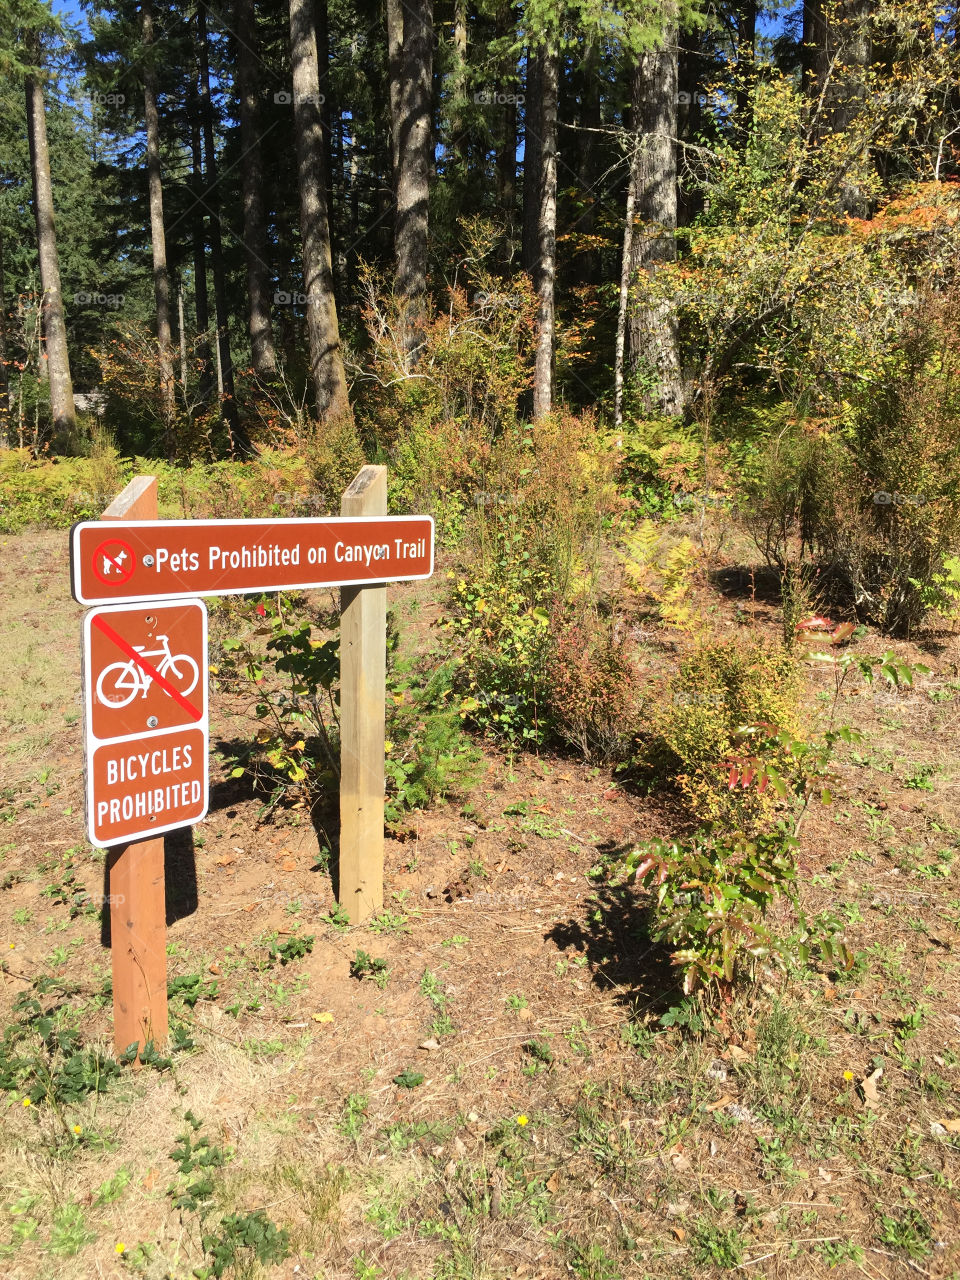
x=144 y=665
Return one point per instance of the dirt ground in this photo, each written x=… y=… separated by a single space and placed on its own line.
x=558 y=1129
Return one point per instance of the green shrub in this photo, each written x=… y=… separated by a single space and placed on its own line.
x=724 y=693
x=875 y=505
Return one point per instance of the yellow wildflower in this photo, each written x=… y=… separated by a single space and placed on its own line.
x=848 y=1075
x=77 y=1130
x=120 y=1247
x=522 y=1120
x=26 y=1102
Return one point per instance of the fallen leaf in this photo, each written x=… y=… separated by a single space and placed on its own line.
x=720 y=1102
x=553 y=1182
x=677 y=1158
x=825 y=1175
x=679 y=1233
x=226 y=860
x=871 y=1094
x=326 y=1016
x=288 y=865
x=951 y=1126
x=149 y=1180
x=214 y=967
x=735 y=1054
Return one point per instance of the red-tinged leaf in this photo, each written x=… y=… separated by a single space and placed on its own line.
x=842 y=632
x=763 y=782
x=732 y=778
x=644 y=867
x=748 y=776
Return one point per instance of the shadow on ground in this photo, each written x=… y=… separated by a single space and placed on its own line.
x=621 y=956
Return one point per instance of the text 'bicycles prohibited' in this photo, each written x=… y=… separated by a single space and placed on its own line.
x=146 y=719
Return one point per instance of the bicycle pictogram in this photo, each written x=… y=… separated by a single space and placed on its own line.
x=120 y=683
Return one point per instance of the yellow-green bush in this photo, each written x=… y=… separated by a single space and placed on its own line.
x=722 y=691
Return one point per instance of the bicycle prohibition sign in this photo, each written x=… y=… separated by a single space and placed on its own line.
x=121 y=682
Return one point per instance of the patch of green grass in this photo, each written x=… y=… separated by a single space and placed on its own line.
x=721 y=1246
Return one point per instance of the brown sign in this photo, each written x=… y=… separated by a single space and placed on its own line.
x=144 y=786
x=145 y=668
x=176 y=559
x=145 y=708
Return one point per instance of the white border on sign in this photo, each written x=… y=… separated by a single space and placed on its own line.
x=267 y=588
x=91 y=743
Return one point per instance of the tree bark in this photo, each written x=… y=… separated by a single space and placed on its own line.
x=544 y=278
x=652 y=327
x=532 y=161
x=54 y=324
x=412 y=155
x=623 y=309
x=395 y=77
x=228 y=394
x=262 y=352
x=201 y=299
x=588 y=160
x=6 y=395
x=326 y=357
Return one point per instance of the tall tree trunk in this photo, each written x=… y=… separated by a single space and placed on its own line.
x=54 y=324
x=231 y=416
x=158 y=238
x=395 y=78
x=588 y=160
x=544 y=278
x=326 y=357
x=506 y=155
x=532 y=160
x=623 y=310
x=413 y=156
x=201 y=298
x=262 y=353
x=6 y=395
x=460 y=140
x=746 y=64
x=322 y=21
x=652 y=325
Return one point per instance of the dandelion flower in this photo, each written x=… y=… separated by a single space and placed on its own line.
x=848 y=1075
x=522 y=1120
x=77 y=1130
x=26 y=1102
x=120 y=1247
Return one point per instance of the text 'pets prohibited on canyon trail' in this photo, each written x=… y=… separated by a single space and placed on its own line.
x=179 y=559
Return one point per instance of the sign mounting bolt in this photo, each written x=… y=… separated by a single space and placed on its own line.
x=152 y=722
x=148 y=561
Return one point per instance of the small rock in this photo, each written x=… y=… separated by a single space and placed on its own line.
x=717 y=1071
x=431 y=891
x=429 y=1044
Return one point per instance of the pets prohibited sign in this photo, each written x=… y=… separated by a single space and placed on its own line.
x=180 y=559
x=146 y=718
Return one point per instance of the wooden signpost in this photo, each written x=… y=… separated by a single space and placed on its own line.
x=145 y=692
x=135 y=882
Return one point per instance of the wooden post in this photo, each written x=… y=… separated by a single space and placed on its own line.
x=363 y=674
x=138 y=923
